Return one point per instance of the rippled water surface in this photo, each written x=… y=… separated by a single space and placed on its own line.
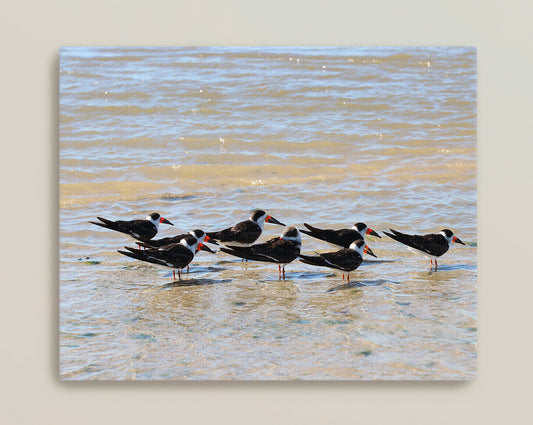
x=328 y=136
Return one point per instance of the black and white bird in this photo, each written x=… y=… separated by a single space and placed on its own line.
x=280 y=250
x=342 y=237
x=432 y=245
x=246 y=232
x=345 y=259
x=142 y=230
x=156 y=243
x=176 y=255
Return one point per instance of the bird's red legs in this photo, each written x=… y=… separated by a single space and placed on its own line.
x=281 y=271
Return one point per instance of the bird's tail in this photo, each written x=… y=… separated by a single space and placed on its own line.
x=397 y=236
x=314 y=260
x=134 y=253
x=105 y=223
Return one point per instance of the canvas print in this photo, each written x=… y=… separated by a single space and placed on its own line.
x=267 y=213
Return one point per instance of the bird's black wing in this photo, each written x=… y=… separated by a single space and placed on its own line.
x=156 y=243
x=275 y=250
x=342 y=237
x=432 y=244
x=245 y=232
x=175 y=255
x=139 y=229
x=344 y=259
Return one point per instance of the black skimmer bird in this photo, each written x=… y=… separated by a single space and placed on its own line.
x=176 y=255
x=246 y=232
x=142 y=230
x=157 y=243
x=342 y=237
x=431 y=245
x=345 y=259
x=280 y=250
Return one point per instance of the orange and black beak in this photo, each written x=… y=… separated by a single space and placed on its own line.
x=272 y=220
x=164 y=220
x=457 y=240
x=368 y=251
x=210 y=240
x=202 y=247
x=369 y=231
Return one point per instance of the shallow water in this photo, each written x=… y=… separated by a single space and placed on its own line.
x=328 y=136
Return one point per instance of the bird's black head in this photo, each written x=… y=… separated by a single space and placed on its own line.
x=362 y=248
x=360 y=243
x=257 y=214
x=364 y=230
x=291 y=233
x=190 y=240
x=198 y=233
x=156 y=219
x=448 y=234
x=361 y=227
